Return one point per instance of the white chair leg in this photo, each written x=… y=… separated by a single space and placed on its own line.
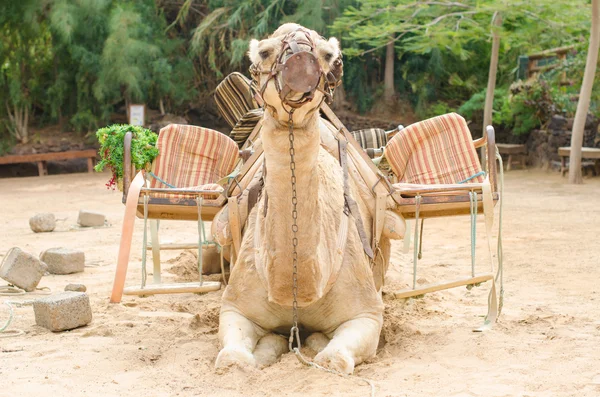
x=155 y=250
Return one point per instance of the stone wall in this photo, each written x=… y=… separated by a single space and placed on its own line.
x=542 y=145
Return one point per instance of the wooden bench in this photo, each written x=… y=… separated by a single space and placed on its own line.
x=586 y=153
x=513 y=150
x=42 y=158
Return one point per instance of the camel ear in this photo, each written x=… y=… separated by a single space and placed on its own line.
x=337 y=67
x=253 y=53
x=334 y=43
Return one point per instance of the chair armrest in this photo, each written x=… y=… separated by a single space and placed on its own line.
x=410 y=189
x=480 y=142
x=372 y=153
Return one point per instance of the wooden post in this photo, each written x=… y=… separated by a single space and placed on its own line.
x=491 y=86
x=584 y=97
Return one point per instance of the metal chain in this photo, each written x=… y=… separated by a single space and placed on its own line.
x=294 y=331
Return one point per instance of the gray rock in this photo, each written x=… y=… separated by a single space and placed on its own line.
x=22 y=269
x=63 y=311
x=63 y=260
x=76 y=287
x=45 y=222
x=90 y=218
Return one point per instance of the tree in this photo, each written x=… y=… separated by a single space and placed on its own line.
x=443 y=45
x=25 y=57
x=584 y=97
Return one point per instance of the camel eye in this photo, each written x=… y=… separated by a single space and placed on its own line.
x=264 y=54
x=328 y=57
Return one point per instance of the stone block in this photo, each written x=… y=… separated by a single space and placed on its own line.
x=76 y=287
x=63 y=260
x=22 y=269
x=63 y=311
x=90 y=218
x=44 y=222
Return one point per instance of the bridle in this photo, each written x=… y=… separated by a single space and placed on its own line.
x=298 y=72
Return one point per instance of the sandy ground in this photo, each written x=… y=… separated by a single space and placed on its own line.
x=545 y=344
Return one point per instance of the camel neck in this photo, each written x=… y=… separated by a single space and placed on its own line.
x=279 y=219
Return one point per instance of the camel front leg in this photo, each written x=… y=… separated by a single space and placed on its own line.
x=351 y=343
x=238 y=336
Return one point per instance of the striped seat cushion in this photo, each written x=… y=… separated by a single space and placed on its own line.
x=234 y=97
x=244 y=127
x=192 y=157
x=370 y=138
x=438 y=150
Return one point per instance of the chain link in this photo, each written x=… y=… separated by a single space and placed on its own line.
x=294 y=331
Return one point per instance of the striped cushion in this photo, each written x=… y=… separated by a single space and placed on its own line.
x=437 y=150
x=234 y=97
x=244 y=127
x=192 y=156
x=370 y=138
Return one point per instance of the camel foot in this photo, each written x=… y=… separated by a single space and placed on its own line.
x=269 y=348
x=337 y=359
x=317 y=342
x=235 y=355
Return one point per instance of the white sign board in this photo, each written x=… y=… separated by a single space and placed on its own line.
x=137 y=114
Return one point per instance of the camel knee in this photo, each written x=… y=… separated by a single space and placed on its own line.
x=269 y=348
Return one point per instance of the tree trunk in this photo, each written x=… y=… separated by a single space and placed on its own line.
x=388 y=79
x=25 y=125
x=19 y=118
x=584 y=97
x=491 y=86
x=161 y=106
x=339 y=98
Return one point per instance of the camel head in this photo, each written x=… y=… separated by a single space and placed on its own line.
x=295 y=69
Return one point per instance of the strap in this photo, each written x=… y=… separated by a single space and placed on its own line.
x=488 y=213
x=234 y=223
x=126 y=235
x=379 y=218
x=350 y=203
x=201 y=237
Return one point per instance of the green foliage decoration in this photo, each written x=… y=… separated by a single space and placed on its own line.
x=111 y=138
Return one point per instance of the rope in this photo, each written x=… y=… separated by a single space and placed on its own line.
x=9 y=334
x=201 y=235
x=312 y=364
x=161 y=180
x=417 y=245
x=11 y=290
x=480 y=173
x=473 y=205
x=145 y=242
x=16 y=332
x=421 y=239
x=500 y=274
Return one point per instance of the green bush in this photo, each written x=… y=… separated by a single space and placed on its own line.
x=143 y=149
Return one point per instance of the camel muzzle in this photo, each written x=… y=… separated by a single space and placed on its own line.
x=297 y=73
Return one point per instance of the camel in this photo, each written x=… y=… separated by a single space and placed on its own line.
x=339 y=305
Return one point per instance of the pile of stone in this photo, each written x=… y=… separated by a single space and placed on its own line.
x=59 y=312
x=542 y=145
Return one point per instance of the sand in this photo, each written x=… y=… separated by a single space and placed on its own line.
x=545 y=344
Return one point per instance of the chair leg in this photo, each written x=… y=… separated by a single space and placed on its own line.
x=509 y=162
x=155 y=250
x=126 y=237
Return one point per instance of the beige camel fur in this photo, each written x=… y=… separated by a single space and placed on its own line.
x=337 y=297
